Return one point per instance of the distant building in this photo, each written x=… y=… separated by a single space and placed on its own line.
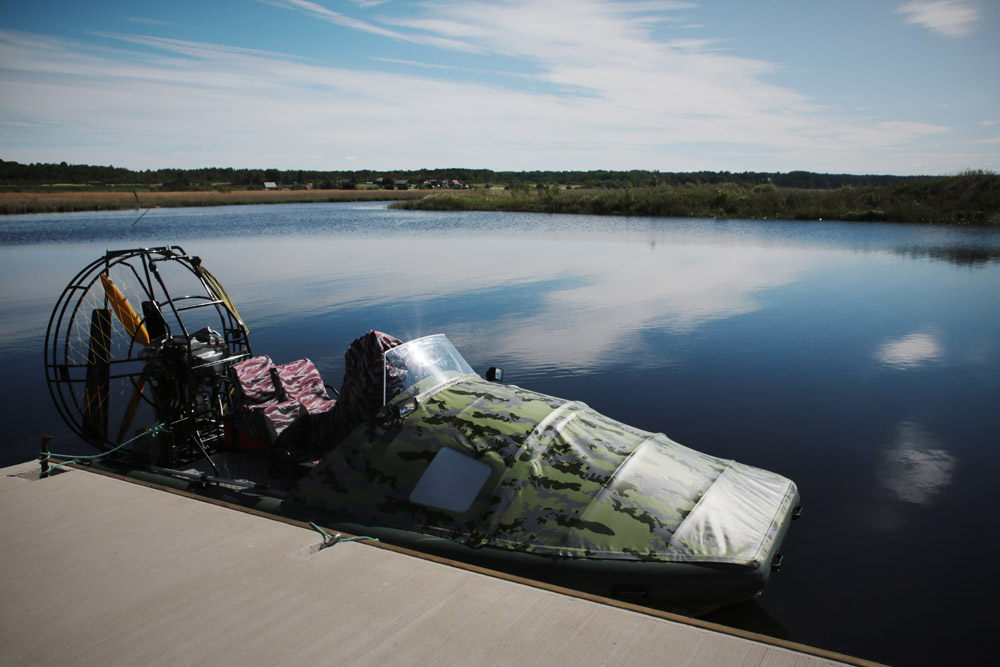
x=270 y=185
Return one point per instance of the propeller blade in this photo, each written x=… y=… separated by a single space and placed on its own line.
x=133 y=406
x=133 y=325
x=214 y=283
x=156 y=326
x=95 y=407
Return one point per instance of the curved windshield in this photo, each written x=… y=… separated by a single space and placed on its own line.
x=418 y=360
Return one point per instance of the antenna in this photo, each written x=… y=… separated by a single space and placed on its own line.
x=136 y=195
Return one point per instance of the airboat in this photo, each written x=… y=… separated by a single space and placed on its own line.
x=148 y=361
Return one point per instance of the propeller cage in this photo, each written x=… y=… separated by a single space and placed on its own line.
x=142 y=337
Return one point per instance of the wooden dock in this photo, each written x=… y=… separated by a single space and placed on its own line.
x=102 y=571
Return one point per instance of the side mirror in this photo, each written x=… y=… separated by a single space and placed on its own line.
x=494 y=374
x=398 y=411
x=405 y=409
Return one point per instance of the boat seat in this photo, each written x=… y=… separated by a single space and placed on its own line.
x=302 y=382
x=272 y=398
x=363 y=390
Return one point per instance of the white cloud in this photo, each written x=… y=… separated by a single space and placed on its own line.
x=888 y=134
x=605 y=53
x=337 y=18
x=910 y=351
x=149 y=21
x=952 y=18
x=581 y=84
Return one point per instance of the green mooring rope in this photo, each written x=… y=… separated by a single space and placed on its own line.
x=78 y=458
x=329 y=540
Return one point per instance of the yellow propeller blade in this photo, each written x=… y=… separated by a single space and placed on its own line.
x=214 y=283
x=132 y=323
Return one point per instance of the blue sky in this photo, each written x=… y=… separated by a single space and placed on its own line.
x=873 y=86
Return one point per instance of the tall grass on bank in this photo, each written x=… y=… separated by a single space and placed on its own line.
x=59 y=202
x=969 y=198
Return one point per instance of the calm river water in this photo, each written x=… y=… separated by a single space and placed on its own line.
x=860 y=360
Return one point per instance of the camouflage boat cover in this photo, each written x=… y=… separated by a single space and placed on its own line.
x=562 y=480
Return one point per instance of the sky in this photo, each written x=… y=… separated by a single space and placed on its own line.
x=852 y=86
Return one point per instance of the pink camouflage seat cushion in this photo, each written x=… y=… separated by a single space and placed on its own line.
x=253 y=380
x=275 y=397
x=302 y=382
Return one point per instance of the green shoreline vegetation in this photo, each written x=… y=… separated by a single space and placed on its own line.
x=970 y=198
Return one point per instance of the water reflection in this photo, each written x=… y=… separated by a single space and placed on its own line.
x=962 y=255
x=552 y=293
x=915 y=469
x=625 y=294
x=764 y=342
x=911 y=351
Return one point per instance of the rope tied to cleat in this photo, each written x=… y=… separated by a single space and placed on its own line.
x=46 y=455
x=329 y=540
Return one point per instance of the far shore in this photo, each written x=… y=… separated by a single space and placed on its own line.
x=971 y=198
x=61 y=202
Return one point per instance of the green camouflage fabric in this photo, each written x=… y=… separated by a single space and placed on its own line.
x=564 y=480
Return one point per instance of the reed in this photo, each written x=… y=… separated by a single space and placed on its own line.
x=969 y=198
x=57 y=202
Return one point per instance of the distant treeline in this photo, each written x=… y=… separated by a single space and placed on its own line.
x=16 y=175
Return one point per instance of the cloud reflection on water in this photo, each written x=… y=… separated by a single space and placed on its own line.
x=911 y=351
x=915 y=468
x=632 y=290
x=592 y=294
